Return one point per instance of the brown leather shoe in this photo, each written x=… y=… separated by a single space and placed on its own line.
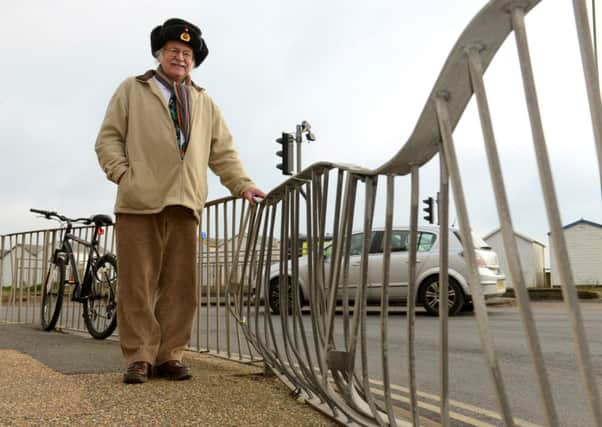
x=173 y=370
x=137 y=372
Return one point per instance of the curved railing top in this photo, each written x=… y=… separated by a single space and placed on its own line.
x=486 y=31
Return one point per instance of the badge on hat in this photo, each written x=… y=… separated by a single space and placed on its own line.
x=185 y=36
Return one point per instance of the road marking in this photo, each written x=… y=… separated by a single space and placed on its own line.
x=455 y=415
x=460 y=417
x=466 y=406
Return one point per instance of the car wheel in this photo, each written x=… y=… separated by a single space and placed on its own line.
x=430 y=296
x=468 y=307
x=274 y=296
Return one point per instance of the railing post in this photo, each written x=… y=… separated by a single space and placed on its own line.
x=2 y=238
x=21 y=277
x=503 y=208
x=411 y=302
x=208 y=284
x=199 y=281
x=218 y=279
x=471 y=267
x=227 y=267
x=559 y=245
x=384 y=304
x=371 y=183
x=443 y=215
x=591 y=74
x=14 y=278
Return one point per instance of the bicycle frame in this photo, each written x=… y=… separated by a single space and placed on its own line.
x=81 y=290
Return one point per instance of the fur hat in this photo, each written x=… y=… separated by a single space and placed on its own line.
x=183 y=32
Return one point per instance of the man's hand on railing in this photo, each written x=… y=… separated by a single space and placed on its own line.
x=251 y=194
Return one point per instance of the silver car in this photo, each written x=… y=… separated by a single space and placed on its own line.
x=491 y=280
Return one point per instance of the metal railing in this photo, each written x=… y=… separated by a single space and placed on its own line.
x=24 y=265
x=325 y=356
x=323 y=350
x=23 y=268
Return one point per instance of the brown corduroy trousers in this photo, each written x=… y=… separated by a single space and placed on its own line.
x=156 y=256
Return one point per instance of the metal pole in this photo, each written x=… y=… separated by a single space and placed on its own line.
x=199 y=280
x=207 y=285
x=590 y=71
x=299 y=140
x=485 y=336
x=411 y=302
x=384 y=302
x=21 y=281
x=1 y=271
x=227 y=268
x=218 y=278
x=371 y=183
x=595 y=33
x=503 y=207
x=559 y=245
x=443 y=217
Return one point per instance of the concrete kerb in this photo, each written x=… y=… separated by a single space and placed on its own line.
x=555 y=294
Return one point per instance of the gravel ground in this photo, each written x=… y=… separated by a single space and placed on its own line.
x=221 y=393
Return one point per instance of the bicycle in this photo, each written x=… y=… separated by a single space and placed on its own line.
x=98 y=290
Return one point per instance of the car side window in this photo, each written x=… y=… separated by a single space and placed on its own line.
x=399 y=241
x=425 y=241
x=356 y=244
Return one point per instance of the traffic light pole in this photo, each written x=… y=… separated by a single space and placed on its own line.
x=438 y=210
x=299 y=139
x=286 y=153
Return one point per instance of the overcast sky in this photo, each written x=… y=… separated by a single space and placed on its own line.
x=359 y=72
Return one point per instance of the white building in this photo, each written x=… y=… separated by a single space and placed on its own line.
x=214 y=254
x=20 y=265
x=584 y=244
x=24 y=265
x=531 y=255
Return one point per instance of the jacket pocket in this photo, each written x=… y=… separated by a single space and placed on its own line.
x=138 y=189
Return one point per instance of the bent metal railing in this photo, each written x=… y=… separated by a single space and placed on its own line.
x=324 y=351
x=325 y=355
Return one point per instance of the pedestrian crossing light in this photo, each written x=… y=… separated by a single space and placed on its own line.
x=428 y=210
x=286 y=153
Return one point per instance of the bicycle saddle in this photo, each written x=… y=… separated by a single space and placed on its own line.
x=100 y=220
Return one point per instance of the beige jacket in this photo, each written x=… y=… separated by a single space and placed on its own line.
x=137 y=149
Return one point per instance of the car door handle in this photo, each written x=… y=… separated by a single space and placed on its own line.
x=355 y=264
x=417 y=261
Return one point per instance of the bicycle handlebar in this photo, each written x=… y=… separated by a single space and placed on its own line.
x=51 y=214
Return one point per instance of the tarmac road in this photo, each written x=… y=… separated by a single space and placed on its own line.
x=470 y=386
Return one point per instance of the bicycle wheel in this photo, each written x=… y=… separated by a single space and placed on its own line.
x=52 y=296
x=100 y=308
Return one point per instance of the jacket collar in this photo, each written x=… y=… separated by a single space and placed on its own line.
x=144 y=78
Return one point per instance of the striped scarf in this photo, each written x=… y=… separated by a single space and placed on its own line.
x=182 y=94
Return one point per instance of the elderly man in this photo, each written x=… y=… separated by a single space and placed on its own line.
x=160 y=134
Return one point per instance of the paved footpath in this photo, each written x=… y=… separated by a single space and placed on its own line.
x=53 y=378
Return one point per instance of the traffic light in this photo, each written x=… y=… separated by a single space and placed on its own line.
x=428 y=210
x=286 y=153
